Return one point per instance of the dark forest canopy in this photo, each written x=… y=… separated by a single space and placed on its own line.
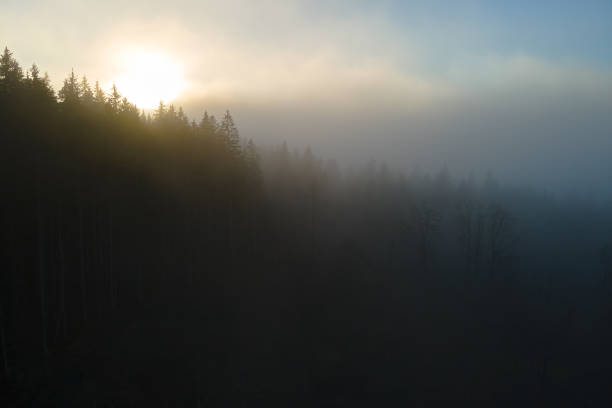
x=150 y=252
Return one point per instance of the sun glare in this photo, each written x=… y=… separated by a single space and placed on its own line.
x=148 y=78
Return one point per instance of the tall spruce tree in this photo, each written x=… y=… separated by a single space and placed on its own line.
x=114 y=99
x=229 y=134
x=11 y=73
x=70 y=93
x=87 y=95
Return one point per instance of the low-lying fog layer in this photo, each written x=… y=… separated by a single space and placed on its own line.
x=521 y=90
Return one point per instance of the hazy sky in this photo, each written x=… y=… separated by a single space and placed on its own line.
x=522 y=88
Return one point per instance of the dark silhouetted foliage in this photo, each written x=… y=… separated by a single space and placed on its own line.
x=152 y=261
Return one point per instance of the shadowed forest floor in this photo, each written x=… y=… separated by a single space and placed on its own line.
x=389 y=345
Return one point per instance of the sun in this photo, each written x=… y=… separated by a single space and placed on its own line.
x=148 y=78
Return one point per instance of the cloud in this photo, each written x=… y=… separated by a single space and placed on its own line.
x=351 y=81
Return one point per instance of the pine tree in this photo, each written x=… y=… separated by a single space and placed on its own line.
x=71 y=90
x=47 y=83
x=87 y=95
x=252 y=159
x=34 y=73
x=99 y=97
x=181 y=117
x=171 y=113
x=229 y=134
x=40 y=87
x=160 y=112
x=128 y=108
x=125 y=106
x=208 y=125
x=11 y=73
x=213 y=123
x=114 y=99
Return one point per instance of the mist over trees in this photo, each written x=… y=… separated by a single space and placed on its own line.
x=150 y=259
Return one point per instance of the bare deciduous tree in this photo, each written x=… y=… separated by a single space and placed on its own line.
x=501 y=239
x=426 y=220
x=471 y=224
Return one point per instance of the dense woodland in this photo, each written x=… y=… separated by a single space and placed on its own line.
x=150 y=260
